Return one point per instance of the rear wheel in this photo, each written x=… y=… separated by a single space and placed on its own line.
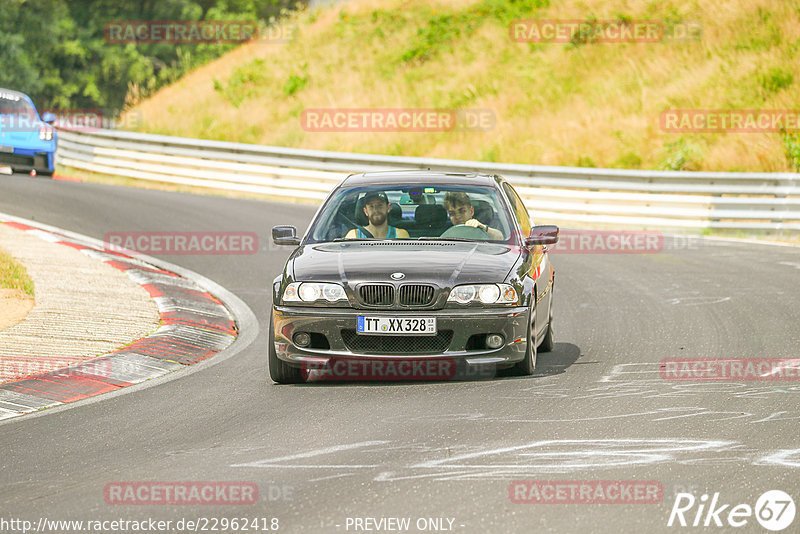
x=280 y=371
x=528 y=364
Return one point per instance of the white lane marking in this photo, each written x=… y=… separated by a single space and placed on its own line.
x=648 y=389
x=435 y=417
x=696 y=301
x=783 y=367
x=648 y=369
x=598 y=453
x=790 y=264
x=683 y=411
x=308 y=466
x=773 y=417
x=330 y=477
x=533 y=459
x=714 y=461
x=270 y=462
x=391 y=476
x=785 y=457
x=555 y=456
x=734 y=415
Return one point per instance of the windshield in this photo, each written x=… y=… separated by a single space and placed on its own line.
x=11 y=104
x=414 y=211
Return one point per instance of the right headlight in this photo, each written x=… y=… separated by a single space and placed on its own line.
x=46 y=133
x=313 y=292
x=483 y=293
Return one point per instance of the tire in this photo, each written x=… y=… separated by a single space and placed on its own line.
x=528 y=364
x=280 y=371
x=548 y=343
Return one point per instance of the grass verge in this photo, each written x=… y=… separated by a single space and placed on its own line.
x=584 y=103
x=13 y=275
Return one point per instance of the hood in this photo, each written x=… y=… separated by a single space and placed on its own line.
x=446 y=263
x=21 y=131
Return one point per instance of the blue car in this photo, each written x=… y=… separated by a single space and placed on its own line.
x=27 y=141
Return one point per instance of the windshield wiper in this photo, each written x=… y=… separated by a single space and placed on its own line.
x=340 y=239
x=431 y=238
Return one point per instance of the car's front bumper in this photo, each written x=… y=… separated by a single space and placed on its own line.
x=25 y=159
x=338 y=325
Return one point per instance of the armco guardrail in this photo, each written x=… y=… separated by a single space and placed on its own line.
x=567 y=195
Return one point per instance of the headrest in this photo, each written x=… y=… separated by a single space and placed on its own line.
x=361 y=217
x=395 y=213
x=483 y=211
x=430 y=215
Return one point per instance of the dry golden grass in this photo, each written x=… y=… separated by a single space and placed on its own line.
x=591 y=104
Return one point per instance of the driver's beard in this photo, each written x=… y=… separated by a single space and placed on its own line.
x=377 y=219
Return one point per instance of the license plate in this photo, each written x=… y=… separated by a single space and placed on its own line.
x=424 y=326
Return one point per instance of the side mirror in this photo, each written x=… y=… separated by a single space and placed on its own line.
x=48 y=117
x=285 y=235
x=542 y=235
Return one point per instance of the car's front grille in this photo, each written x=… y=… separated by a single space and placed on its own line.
x=380 y=344
x=16 y=159
x=377 y=294
x=416 y=294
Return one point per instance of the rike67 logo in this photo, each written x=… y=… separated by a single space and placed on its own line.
x=774 y=510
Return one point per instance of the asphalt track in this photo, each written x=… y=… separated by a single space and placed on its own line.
x=322 y=453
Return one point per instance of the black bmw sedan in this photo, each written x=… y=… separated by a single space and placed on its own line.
x=413 y=275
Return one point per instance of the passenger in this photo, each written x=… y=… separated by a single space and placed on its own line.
x=461 y=211
x=376 y=208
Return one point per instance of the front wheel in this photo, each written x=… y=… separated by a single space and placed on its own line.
x=528 y=364
x=280 y=371
x=548 y=343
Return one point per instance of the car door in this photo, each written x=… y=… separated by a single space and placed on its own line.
x=540 y=269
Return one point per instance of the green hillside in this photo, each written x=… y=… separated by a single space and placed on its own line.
x=582 y=102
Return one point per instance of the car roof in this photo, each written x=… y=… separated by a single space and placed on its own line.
x=15 y=93
x=422 y=176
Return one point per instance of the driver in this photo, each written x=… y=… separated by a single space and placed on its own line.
x=376 y=208
x=461 y=211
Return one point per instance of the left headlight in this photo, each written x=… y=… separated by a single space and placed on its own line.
x=483 y=293
x=313 y=292
x=46 y=133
